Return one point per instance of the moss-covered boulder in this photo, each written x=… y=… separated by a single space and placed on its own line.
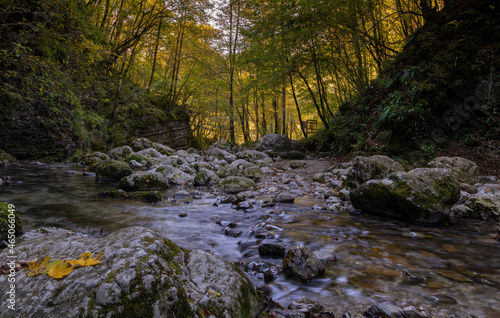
x=423 y=196
x=146 y=196
x=174 y=175
x=205 y=177
x=483 y=205
x=164 y=150
x=251 y=155
x=112 y=170
x=463 y=169
x=9 y=220
x=141 y=274
x=228 y=170
x=145 y=180
x=253 y=172
x=120 y=153
x=370 y=168
x=90 y=162
x=237 y=184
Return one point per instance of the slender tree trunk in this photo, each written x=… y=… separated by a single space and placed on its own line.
x=154 y=56
x=298 y=108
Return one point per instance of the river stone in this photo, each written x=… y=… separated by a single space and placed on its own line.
x=141 y=274
x=300 y=262
x=387 y=309
x=237 y=184
x=370 y=168
x=251 y=155
x=253 y=172
x=227 y=171
x=272 y=250
x=144 y=180
x=112 y=170
x=423 y=196
x=120 y=153
x=205 y=177
x=298 y=164
x=463 y=169
x=150 y=153
x=174 y=175
x=164 y=150
x=141 y=144
x=5 y=221
x=483 y=205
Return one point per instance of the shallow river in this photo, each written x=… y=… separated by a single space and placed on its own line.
x=454 y=270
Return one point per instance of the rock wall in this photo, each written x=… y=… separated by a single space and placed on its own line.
x=174 y=133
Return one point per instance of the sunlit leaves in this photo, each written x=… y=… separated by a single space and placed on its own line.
x=60 y=268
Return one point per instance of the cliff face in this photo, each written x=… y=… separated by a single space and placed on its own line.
x=441 y=92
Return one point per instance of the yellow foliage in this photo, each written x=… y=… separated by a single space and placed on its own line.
x=60 y=270
x=39 y=267
x=86 y=260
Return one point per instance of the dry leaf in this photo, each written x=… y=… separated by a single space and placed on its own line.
x=86 y=260
x=60 y=270
x=39 y=267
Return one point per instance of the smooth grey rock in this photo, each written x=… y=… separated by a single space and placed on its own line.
x=141 y=144
x=275 y=142
x=144 y=180
x=237 y=184
x=205 y=177
x=120 y=153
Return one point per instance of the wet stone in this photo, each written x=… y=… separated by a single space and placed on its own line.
x=272 y=250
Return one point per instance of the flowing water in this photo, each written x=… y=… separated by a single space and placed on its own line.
x=451 y=271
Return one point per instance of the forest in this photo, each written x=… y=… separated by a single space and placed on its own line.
x=94 y=74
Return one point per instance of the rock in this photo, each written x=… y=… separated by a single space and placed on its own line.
x=488 y=179
x=146 y=196
x=141 y=144
x=112 y=170
x=120 y=153
x=253 y=172
x=300 y=262
x=483 y=205
x=272 y=250
x=150 y=153
x=319 y=177
x=182 y=194
x=292 y=155
x=251 y=155
x=384 y=310
x=91 y=162
x=205 y=177
x=285 y=198
x=147 y=180
x=141 y=274
x=423 y=196
x=463 y=169
x=10 y=223
x=298 y=164
x=275 y=142
x=370 y=168
x=174 y=175
x=164 y=150
x=237 y=184
x=227 y=171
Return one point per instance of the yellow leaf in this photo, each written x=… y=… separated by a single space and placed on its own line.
x=39 y=267
x=60 y=270
x=86 y=260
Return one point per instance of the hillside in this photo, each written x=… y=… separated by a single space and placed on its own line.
x=441 y=95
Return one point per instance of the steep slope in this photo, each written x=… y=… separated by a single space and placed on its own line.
x=442 y=92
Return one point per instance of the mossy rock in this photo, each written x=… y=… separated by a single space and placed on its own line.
x=164 y=150
x=5 y=221
x=422 y=196
x=141 y=159
x=205 y=177
x=6 y=157
x=237 y=184
x=146 y=180
x=91 y=162
x=255 y=173
x=120 y=153
x=141 y=144
x=112 y=170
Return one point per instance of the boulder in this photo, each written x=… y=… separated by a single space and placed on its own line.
x=120 y=153
x=463 y=169
x=423 y=196
x=277 y=143
x=253 y=172
x=301 y=263
x=141 y=144
x=272 y=250
x=206 y=178
x=164 y=150
x=251 y=155
x=370 y=168
x=150 y=153
x=483 y=205
x=298 y=164
x=146 y=180
x=112 y=170
x=174 y=175
x=9 y=220
x=237 y=184
x=141 y=274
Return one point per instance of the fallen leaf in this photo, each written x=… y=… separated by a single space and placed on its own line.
x=86 y=260
x=60 y=270
x=40 y=267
